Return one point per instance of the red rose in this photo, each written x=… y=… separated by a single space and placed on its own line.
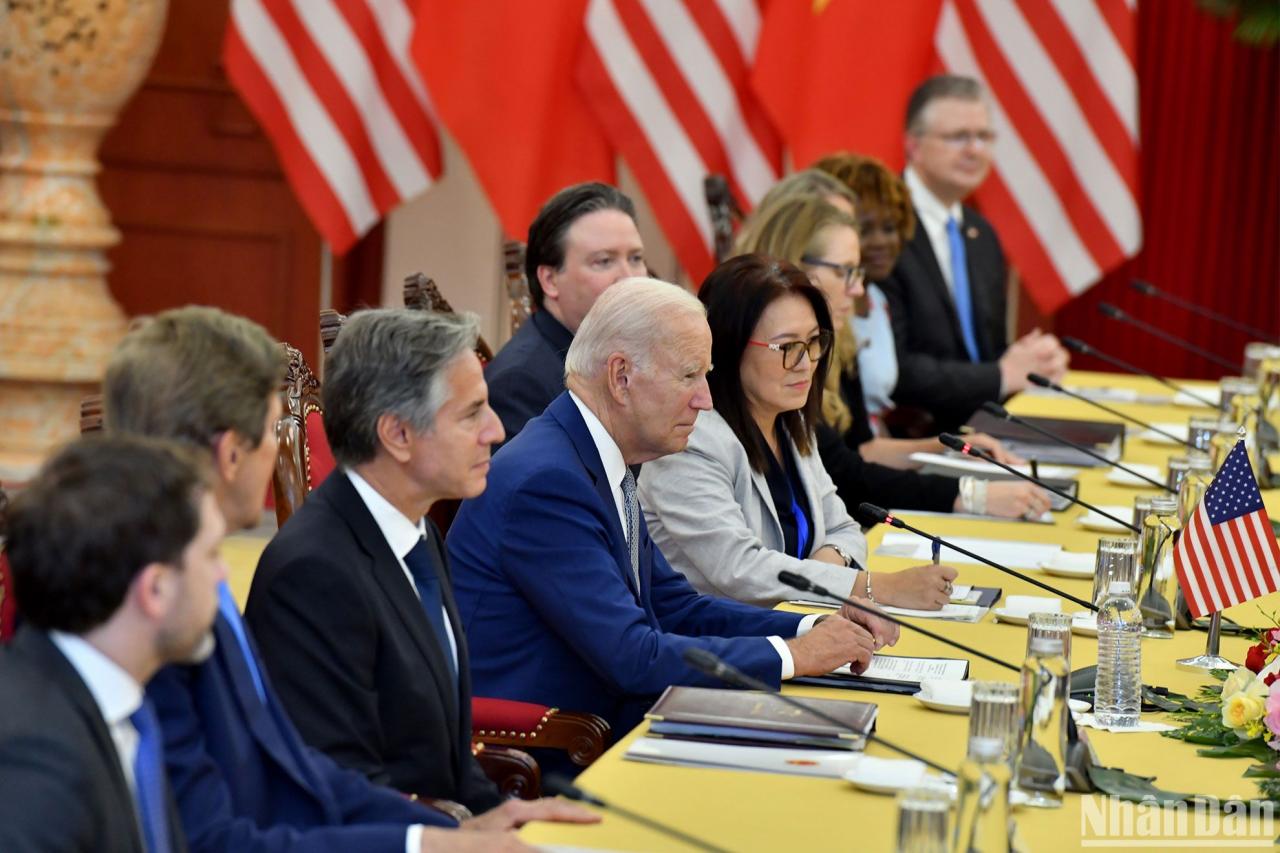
x=1256 y=658
x=1268 y=679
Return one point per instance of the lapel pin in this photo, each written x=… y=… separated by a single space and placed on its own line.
x=971 y=232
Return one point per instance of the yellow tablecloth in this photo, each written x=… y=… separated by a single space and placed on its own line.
x=749 y=811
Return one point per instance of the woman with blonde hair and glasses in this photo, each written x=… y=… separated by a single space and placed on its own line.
x=824 y=242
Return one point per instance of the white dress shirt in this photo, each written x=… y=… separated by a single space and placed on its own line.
x=933 y=215
x=401 y=534
x=615 y=468
x=117 y=695
x=878 y=356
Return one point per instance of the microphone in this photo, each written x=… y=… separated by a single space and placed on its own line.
x=1115 y=313
x=1146 y=288
x=958 y=444
x=880 y=515
x=708 y=663
x=803 y=584
x=1045 y=382
x=556 y=784
x=1077 y=345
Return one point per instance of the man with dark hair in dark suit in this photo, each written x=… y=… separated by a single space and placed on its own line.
x=114 y=552
x=947 y=294
x=582 y=241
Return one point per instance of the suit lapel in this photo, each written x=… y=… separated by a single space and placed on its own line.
x=390 y=578
x=37 y=646
x=566 y=413
x=264 y=722
x=922 y=250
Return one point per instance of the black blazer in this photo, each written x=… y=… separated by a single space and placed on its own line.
x=61 y=784
x=858 y=480
x=528 y=373
x=934 y=370
x=353 y=657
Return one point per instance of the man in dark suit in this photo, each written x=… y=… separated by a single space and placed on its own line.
x=563 y=595
x=114 y=549
x=947 y=294
x=243 y=777
x=582 y=241
x=351 y=603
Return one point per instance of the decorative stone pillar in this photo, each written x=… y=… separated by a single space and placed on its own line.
x=66 y=68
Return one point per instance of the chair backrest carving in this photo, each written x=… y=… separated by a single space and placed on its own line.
x=726 y=215
x=330 y=324
x=517 y=283
x=422 y=294
x=300 y=395
x=91 y=414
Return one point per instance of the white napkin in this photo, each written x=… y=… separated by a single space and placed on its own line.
x=1088 y=721
x=1025 y=605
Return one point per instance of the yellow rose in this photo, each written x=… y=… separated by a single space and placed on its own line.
x=1241 y=710
x=1238 y=680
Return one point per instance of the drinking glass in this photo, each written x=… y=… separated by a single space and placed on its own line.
x=993 y=714
x=922 y=818
x=1115 y=560
x=1050 y=626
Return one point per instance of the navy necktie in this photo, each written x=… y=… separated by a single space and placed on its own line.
x=148 y=779
x=963 y=296
x=422 y=565
x=227 y=606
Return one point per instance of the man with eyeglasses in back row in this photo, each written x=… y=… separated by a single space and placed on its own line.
x=947 y=294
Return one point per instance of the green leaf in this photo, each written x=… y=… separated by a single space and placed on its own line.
x=1255 y=748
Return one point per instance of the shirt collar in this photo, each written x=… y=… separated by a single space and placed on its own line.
x=928 y=205
x=615 y=467
x=401 y=533
x=553 y=330
x=114 y=690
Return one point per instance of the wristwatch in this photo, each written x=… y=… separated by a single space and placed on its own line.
x=844 y=555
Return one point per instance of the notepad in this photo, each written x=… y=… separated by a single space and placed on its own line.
x=910 y=670
x=1015 y=554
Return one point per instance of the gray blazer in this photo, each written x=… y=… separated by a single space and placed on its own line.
x=714 y=519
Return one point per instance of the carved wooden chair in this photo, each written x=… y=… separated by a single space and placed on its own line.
x=421 y=294
x=726 y=215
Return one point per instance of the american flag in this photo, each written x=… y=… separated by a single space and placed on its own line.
x=1227 y=554
x=1063 y=91
x=333 y=85
x=669 y=81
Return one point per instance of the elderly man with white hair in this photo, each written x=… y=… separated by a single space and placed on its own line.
x=564 y=598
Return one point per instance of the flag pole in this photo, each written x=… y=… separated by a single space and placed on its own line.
x=1210 y=659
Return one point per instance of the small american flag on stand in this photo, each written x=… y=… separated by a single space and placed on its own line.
x=1227 y=554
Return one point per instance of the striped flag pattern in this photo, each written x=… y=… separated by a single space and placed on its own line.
x=332 y=84
x=1063 y=93
x=669 y=82
x=1227 y=554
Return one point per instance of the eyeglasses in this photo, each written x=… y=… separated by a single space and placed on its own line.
x=849 y=272
x=964 y=138
x=817 y=346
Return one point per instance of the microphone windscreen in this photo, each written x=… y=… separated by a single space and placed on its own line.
x=792 y=579
x=1111 y=311
x=1075 y=345
x=955 y=442
x=993 y=408
x=1037 y=379
x=1146 y=288
x=871 y=514
x=557 y=785
x=701 y=659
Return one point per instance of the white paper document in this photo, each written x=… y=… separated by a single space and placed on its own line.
x=1017 y=555
x=910 y=670
x=956 y=466
x=948 y=613
x=764 y=759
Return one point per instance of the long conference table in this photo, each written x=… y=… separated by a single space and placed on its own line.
x=756 y=811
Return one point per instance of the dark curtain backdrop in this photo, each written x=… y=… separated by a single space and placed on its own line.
x=1210 y=196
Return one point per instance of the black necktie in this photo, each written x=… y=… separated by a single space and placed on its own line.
x=422 y=565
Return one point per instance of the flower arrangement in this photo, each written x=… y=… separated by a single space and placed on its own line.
x=1241 y=717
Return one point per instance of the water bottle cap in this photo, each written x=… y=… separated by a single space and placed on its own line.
x=1119 y=588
